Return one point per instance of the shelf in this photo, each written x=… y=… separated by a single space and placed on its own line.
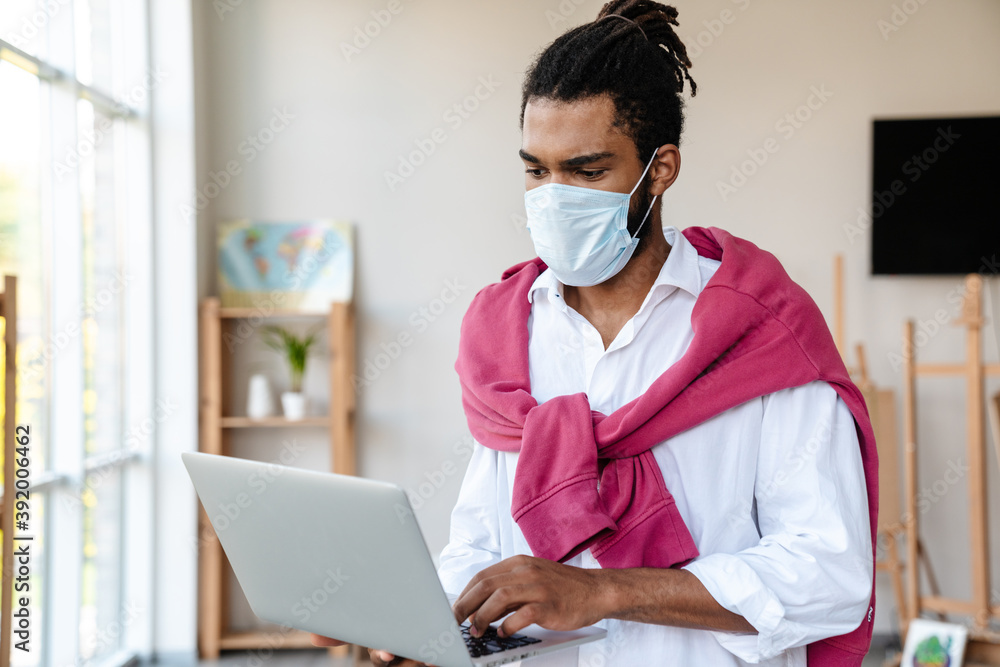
x=217 y=433
x=276 y=639
x=243 y=313
x=247 y=422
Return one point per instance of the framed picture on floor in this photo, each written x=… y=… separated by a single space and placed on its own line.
x=934 y=644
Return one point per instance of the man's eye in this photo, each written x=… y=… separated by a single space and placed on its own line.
x=536 y=173
x=592 y=173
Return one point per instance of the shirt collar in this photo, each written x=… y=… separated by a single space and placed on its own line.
x=680 y=269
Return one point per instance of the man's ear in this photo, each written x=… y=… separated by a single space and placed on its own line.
x=665 y=168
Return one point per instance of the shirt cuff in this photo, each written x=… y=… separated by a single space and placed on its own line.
x=459 y=563
x=738 y=588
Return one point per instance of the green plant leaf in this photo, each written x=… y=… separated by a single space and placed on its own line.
x=295 y=349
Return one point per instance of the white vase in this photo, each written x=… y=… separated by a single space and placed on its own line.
x=259 y=401
x=294 y=405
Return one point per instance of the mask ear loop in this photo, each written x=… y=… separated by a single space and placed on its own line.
x=624 y=18
x=648 y=165
x=637 y=187
x=645 y=216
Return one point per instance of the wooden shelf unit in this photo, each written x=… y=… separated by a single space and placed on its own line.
x=247 y=422
x=214 y=634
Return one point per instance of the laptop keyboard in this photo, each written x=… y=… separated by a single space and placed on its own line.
x=490 y=642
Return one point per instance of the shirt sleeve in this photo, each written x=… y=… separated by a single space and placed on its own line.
x=474 y=539
x=810 y=575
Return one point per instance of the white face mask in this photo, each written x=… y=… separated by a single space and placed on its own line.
x=582 y=233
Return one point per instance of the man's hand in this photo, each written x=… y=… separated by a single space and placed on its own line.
x=320 y=640
x=386 y=659
x=378 y=658
x=536 y=590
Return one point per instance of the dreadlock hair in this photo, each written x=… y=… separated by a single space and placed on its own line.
x=639 y=62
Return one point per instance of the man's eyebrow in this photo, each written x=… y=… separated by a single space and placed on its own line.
x=587 y=159
x=528 y=157
x=573 y=161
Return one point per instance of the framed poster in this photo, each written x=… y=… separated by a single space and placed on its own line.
x=302 y=265
x=934 y=644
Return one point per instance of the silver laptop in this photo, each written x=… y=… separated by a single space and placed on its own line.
x=343 y=557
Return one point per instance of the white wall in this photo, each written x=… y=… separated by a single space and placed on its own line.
x=454 y=219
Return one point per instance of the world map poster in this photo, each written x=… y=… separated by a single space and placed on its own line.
x=300 y=266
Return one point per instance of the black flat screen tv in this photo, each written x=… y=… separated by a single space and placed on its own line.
x=935 y=190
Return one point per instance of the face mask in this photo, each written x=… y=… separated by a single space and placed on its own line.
x=582 y=233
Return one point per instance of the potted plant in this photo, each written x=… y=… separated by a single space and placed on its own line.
x=296 y=352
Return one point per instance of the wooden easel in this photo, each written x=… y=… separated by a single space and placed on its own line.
x=891 y=526
x=881 y=405
x=995 y=424
x=983 y=646
x=882 y=410
x=8 y=311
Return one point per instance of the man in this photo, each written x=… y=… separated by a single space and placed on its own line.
x=666 y=442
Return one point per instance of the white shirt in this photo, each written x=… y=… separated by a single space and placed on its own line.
x=772 y=490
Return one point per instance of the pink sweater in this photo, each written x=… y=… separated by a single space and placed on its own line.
x=755 y=332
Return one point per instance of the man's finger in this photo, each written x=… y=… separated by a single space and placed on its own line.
x=385 y=659
x=503 y=601
x=493 y=570
x=518 y=621
x=320 y=640
x=469 y=602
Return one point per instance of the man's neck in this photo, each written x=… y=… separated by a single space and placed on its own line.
x=609 y=305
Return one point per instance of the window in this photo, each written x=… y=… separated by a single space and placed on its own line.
x=75 y=208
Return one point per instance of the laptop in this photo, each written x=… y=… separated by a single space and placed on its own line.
x=343 y=557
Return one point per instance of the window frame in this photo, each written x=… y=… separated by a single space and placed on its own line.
x=67 y=468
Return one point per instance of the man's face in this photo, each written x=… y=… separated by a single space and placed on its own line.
x=576 y=143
